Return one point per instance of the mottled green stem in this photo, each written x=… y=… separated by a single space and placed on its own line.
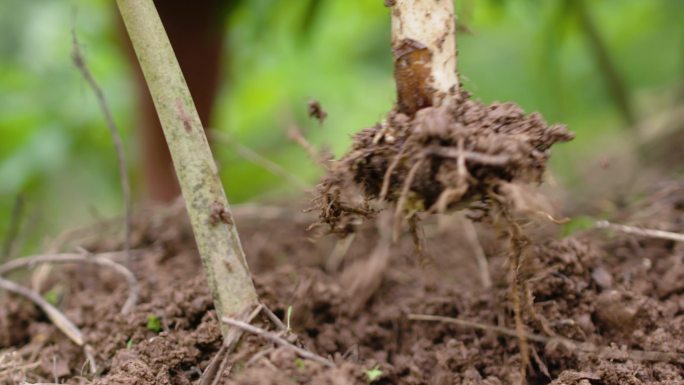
x=212 y=222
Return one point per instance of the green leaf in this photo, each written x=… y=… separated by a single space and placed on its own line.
x=373 y=374
x=52 y=297
x=299 y=363
x=129 y=343
x=153 y=323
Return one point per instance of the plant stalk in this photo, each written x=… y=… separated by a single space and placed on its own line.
x=212 y=222
x=424 y=49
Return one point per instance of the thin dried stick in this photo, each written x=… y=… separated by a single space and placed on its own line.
x=56 y=316
x=80 y=63
x=260 y=160
x=586 y=347
x=295 y=134
x=641 y=231
x=278 y=340
x=40 y=383
x=221 y=361
x=100 y=260
x=274 y=318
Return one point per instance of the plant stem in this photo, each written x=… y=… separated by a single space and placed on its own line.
x=217 y=239
x=424 y=48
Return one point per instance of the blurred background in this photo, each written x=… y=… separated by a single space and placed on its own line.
x=612 y=70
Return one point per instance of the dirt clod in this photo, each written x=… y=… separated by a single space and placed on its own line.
x=443 y=158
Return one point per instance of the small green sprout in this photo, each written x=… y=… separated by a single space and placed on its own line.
x=373 y=374
x=52 y=297
x=299 y=363
x=129 y=344
x=288 y=317
x=153 y=323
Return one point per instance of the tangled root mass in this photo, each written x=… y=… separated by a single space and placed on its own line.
x=444 y=158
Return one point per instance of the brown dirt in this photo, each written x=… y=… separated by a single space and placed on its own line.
x=617 y=291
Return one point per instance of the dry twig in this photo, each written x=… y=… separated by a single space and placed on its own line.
x=274 y=318
x=56 y=316
x=221 y=360
x=641 y=231
x=277 y=340
x=100 y=260
x=80 y=63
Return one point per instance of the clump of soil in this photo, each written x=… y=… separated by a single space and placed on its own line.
x=444 y=157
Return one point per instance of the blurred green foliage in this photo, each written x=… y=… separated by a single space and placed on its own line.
x=55 y=150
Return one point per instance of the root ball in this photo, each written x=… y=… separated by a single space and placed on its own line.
x=444 y=158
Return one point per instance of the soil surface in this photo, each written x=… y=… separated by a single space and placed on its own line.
x=619 y=297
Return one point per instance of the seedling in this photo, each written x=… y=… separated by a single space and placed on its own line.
x=373 y=374
x=153 y=323
x=299 y=363
x=52 y=297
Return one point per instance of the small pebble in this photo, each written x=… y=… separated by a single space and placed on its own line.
x=615 y=311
